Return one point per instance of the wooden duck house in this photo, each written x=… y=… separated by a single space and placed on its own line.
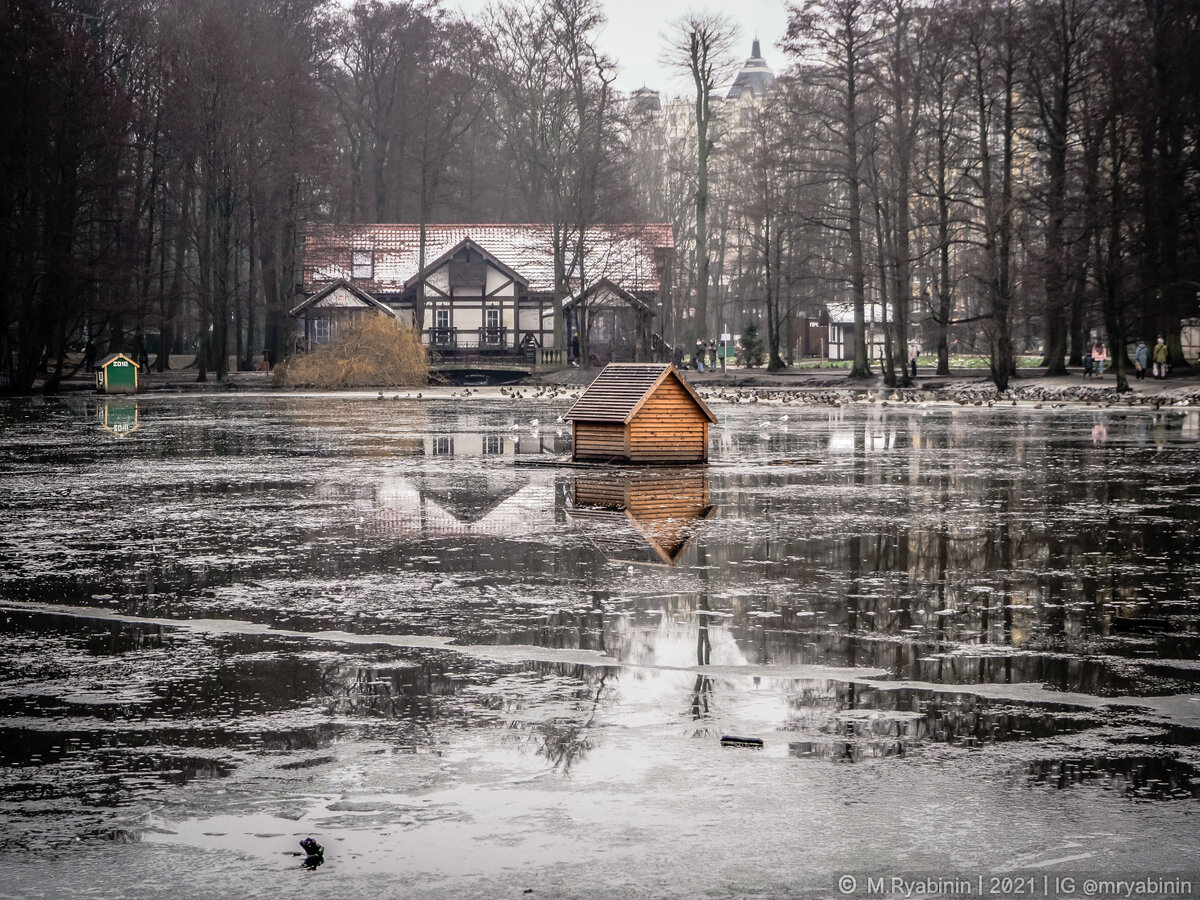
x=640 y=413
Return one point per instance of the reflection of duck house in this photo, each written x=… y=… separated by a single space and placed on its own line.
x=646 y=520
x=640 y=413
x=119 y=418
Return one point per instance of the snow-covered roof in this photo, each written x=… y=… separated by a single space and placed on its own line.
x=843 y=313
x=341 y=294
x=629 y=255
x=605 y=293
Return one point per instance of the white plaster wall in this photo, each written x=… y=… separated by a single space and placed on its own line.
x=494 y=280
x=441 y=279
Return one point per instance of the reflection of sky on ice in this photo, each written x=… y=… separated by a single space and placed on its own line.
x=399 y=635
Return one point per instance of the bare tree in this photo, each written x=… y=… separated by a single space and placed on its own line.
x=942 y=185
x=836 y=39
x=899 y=77
x=1053 y=78
x=701 y=45
x=556 y=108
x=993 y=56
x=1109 y=143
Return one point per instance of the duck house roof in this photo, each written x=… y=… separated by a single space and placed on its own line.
x=623 y=388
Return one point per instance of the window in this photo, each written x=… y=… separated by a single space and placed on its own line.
x=320 y=331
x=443 y=446
x=493 y=318
x=362 y=264
x=441 y=327
x=493 y=444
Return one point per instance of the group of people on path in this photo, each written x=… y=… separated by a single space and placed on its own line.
x=1142 y=356
x=1093 y=362
x=705 y=356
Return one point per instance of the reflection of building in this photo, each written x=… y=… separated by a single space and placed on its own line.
x=499 y=504
x=640 y=519
x=474 y=494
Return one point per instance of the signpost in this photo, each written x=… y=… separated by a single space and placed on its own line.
x=726 y=337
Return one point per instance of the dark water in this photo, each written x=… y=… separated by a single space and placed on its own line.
x=968 y=638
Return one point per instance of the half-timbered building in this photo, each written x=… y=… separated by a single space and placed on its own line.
x=489 y=289
x=324 y=314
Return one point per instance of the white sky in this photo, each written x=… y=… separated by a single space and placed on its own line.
x=635 y=29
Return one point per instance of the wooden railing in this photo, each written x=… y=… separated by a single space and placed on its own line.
x=448 y=340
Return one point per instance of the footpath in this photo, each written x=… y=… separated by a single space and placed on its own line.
x=962 y=385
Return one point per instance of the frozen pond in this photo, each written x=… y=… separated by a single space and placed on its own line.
x=968 y=638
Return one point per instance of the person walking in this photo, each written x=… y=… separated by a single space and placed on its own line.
x=914 y=350
x=698 y=358
x=1160 y=358
x=1141 y=359
x=1099 y=356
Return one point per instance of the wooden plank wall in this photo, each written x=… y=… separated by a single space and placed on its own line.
x=599 y=441
x=669 y=428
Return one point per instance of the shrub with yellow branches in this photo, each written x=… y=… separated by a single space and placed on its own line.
x=373 y=352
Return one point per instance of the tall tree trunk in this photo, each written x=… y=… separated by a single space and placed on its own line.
x=702 y=149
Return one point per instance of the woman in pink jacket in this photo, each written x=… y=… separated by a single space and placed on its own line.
x=1099 y=355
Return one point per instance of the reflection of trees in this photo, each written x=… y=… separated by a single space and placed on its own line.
x=564 y=741
x=847 y=722
x=1019 y=532
x=702 y=690
x=1137 y=777
x=413 y=695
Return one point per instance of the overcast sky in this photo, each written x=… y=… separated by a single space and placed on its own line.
x=634 y=35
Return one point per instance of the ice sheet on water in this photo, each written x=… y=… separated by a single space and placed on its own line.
x=403 y=585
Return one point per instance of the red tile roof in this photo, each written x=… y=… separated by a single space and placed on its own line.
x=625 y=254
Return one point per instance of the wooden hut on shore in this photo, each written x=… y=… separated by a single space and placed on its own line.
x=640 y=413
x=117 y=374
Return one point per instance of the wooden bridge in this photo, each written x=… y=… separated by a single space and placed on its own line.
x=465 y=367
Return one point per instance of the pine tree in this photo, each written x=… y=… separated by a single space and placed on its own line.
x=752 y=345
